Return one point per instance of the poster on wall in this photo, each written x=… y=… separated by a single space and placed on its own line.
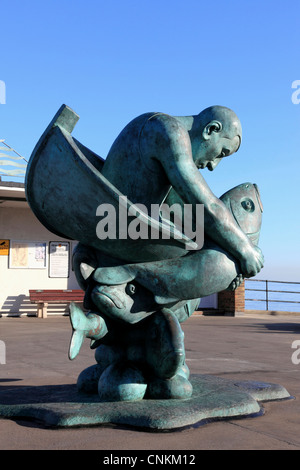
x=4 y=247
x=28 y=255
x=59 y=259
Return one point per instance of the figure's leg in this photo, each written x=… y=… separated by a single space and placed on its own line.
x=164 y=344
x=165 y=357
x=183 y=311
x=198 y=274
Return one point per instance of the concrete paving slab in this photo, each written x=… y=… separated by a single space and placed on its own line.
x=255 y=347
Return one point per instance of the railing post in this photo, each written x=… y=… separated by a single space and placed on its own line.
x=267 y=297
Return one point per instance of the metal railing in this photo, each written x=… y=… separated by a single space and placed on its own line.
x=268 y=297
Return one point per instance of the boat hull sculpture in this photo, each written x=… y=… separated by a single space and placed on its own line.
x=61 y=162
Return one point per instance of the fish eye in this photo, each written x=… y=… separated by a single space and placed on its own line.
x=130 y=289
x=248 y=205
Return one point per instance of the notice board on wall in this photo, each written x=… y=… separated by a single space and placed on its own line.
x=59 y=259
x=28 y=255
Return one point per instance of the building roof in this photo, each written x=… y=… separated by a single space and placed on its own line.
x=12 y=194
x=12 y=184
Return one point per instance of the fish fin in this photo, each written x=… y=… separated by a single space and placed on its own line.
x=77 y=317
x=78 y=321
x=164 y=300
x=86 y=270
x=76 y=343
x=113 y=275
x=84 y=326
x=95 y=343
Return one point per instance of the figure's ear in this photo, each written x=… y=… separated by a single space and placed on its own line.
x=212 y=126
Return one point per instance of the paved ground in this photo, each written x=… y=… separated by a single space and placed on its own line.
x=251 y=347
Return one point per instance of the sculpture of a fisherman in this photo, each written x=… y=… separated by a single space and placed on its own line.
x=139 y=291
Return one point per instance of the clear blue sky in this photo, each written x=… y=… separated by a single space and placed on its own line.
x=113 y=60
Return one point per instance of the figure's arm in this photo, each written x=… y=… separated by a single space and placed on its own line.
x=220 y=225
x=175 y=155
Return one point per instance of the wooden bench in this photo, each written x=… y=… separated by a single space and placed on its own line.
x=44 y=297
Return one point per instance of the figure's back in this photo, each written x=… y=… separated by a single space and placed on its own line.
x=127 y=169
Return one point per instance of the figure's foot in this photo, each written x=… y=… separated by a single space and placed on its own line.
x=178 y=387
x=165 y=345
x=88 y=379
x=122 y=381
x=84 y=326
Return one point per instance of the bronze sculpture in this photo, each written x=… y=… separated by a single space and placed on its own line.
x=138 y=291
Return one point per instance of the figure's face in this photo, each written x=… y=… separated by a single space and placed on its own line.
x=215 y=142
x=215 y=149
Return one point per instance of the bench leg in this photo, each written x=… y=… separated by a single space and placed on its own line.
x=45 y=310
x=39 y=312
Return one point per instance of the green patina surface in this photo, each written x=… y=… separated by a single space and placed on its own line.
x=213 y=398
x=139 y=289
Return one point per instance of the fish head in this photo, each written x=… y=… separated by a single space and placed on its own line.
x=120 y=297
x=245 y=204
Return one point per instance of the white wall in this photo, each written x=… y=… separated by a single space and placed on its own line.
x=18 y=223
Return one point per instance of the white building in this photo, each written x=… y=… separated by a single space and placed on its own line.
x=31 y=257
x=25 y=260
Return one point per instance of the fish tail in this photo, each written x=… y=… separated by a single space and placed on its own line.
x=84 y=326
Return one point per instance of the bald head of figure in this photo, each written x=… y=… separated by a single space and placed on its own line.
x=216 y=133
x=224 y=118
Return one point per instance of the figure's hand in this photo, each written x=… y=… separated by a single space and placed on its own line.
x=252 y=261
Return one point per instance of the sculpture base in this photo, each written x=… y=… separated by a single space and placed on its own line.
x=213 y=398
